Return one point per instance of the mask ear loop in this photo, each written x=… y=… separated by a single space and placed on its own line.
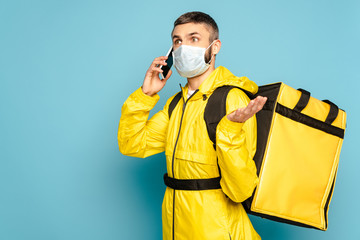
x=211 y=54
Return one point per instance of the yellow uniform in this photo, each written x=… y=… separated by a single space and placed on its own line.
x=205 y=214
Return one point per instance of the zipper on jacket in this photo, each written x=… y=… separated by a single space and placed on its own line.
x=173 y=158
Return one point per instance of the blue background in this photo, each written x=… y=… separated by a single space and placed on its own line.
x=66 y=67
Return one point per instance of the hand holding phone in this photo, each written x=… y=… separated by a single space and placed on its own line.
x=152 y=82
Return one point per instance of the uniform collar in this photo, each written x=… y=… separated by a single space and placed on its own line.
x=220 y=77
x=206 y=87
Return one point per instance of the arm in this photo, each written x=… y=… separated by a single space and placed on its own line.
x=138 y=136
x=236 y=146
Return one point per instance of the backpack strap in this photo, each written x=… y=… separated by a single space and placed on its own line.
x=173 y=103
x=215 y=109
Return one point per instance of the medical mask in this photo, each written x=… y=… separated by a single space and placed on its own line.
x=189 y=61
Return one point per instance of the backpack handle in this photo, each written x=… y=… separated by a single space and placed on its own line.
x=333 y=113
x=303 y=101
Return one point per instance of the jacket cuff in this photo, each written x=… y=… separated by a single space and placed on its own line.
x=230 y=126
x=145 y=99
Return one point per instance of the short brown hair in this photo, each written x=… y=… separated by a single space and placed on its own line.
x=199 y=17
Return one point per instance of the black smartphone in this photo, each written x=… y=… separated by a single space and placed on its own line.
x=169 y=62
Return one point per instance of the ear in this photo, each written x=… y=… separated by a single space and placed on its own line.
x=216 y=46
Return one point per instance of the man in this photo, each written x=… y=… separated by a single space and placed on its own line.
x=205 y=213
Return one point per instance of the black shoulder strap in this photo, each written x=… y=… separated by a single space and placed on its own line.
x=173 y=103
x=215 y=110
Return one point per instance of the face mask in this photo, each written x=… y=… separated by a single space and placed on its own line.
x=189 y=61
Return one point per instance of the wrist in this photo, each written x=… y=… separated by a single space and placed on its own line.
x=231 y=117
x=230 y=125
x=146 y=99
x=149 y=93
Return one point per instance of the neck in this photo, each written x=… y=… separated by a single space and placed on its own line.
x=195 y=82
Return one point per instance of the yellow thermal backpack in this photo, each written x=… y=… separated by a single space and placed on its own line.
x=299 y=139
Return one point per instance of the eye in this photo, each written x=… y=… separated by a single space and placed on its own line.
x=195 y=39
x=177 y=42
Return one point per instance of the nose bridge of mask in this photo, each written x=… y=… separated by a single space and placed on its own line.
x=193 y=47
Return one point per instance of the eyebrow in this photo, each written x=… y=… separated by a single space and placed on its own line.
x=190 y=34
x=193 y=33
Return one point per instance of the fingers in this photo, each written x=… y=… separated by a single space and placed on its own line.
x=152 y=82
x=256 y=104
x=155 y=66
x=168 y=75
x=159 y=61
x=161 y=58
x=155 y=69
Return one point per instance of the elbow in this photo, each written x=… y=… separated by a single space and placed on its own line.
x=127 y=152
x=124 y=146
x=121 y=144
x=127 y=149
x=240 y=196
x=123 y=149
x=238 y=192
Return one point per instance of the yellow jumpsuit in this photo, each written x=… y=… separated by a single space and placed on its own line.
x=207 y=214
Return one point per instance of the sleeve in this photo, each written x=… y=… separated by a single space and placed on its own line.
x=235 y=147
x=138 y=136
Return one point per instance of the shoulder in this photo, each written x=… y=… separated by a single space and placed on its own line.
x=172 y=101
x=175 y=97
x=236 y=98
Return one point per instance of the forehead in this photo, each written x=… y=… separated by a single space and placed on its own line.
x=184 y=29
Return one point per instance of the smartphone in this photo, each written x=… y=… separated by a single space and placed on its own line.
x=169 y=62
